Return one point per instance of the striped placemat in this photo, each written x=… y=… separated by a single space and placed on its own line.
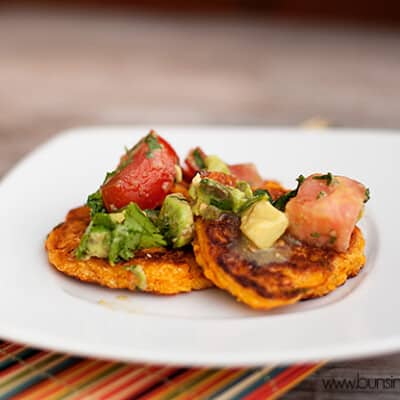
x=28 y=373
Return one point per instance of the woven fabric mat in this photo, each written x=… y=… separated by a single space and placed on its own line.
x=28 y=373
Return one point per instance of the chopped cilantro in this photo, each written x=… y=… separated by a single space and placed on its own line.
x=82 y=248
x=95 y=203
x=321 y=194
x=327 y=177
x=280 y=202
x=223 y=204
x=153 y=144
x=367 y=195
x=198 y=159
x=262 y=192
x=315 y=234
x=258 y=195
x=109 y=175
x=135 y=231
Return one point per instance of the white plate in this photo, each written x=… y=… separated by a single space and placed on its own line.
x=43 y=308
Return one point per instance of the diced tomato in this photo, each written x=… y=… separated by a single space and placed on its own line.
x=247 y=172
x=129 y=154
x=325 y=211
x=194 y=162
x=221 y=177
x=188 y=174
x=147 y=177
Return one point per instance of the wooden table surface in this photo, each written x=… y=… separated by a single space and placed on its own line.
x=61 y=71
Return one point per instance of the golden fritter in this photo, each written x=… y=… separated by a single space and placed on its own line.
x=284 y=274
x=167 y=271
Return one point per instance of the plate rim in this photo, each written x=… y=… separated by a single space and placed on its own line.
x=360 y=351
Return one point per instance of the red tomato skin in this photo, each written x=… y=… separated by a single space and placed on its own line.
x=190 y=168
x=188 y=173
x=247 y=172
x=324 y=215
x=221 y=177
x=146 y=180
x=161 y=140
x=167 y=147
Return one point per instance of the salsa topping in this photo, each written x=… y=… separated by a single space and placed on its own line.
x=176 y=220
x=117 y=236
x=145 y=203
x=281 y=202
x=327 y=177
x=215 y=192
x=153 y=144
x=199 y=158
x=144 y=177
x=327 y=221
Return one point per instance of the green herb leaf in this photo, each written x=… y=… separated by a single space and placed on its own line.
x=80 y=252
x=125 y=235
x=258 y=195
x=327 y=177
x=198 y=159
x=262 y=192
x=315 y=234
x=367 y=195
x=95 y=203
x=280 y=202
x=224 y=204
x=153 y=144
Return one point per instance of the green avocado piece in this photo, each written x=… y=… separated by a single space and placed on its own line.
x=214 y=163
x=138 y=271
x=176 y=220
x=98 y=243
x=213 y=198
x=263 y=224
x=117 y=236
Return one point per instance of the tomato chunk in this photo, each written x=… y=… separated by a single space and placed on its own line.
x=145 y=175
x=221 y=177
x=247 y=172
x=326 y=210
x=194 y=162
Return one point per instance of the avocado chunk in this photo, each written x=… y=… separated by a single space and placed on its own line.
x=213 y=198
x=98 y=243
x=176 y=220
x=117 y=236
x=263 y=224
x=214 y=163
x=140 y=275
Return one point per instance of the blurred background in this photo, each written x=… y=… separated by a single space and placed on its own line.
x=71 y=63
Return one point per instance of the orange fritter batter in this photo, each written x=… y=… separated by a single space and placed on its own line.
x=167 y=271
x=289 y=272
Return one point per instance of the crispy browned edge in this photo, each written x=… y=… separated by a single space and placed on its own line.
x=168 y=271
x=310 y=272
